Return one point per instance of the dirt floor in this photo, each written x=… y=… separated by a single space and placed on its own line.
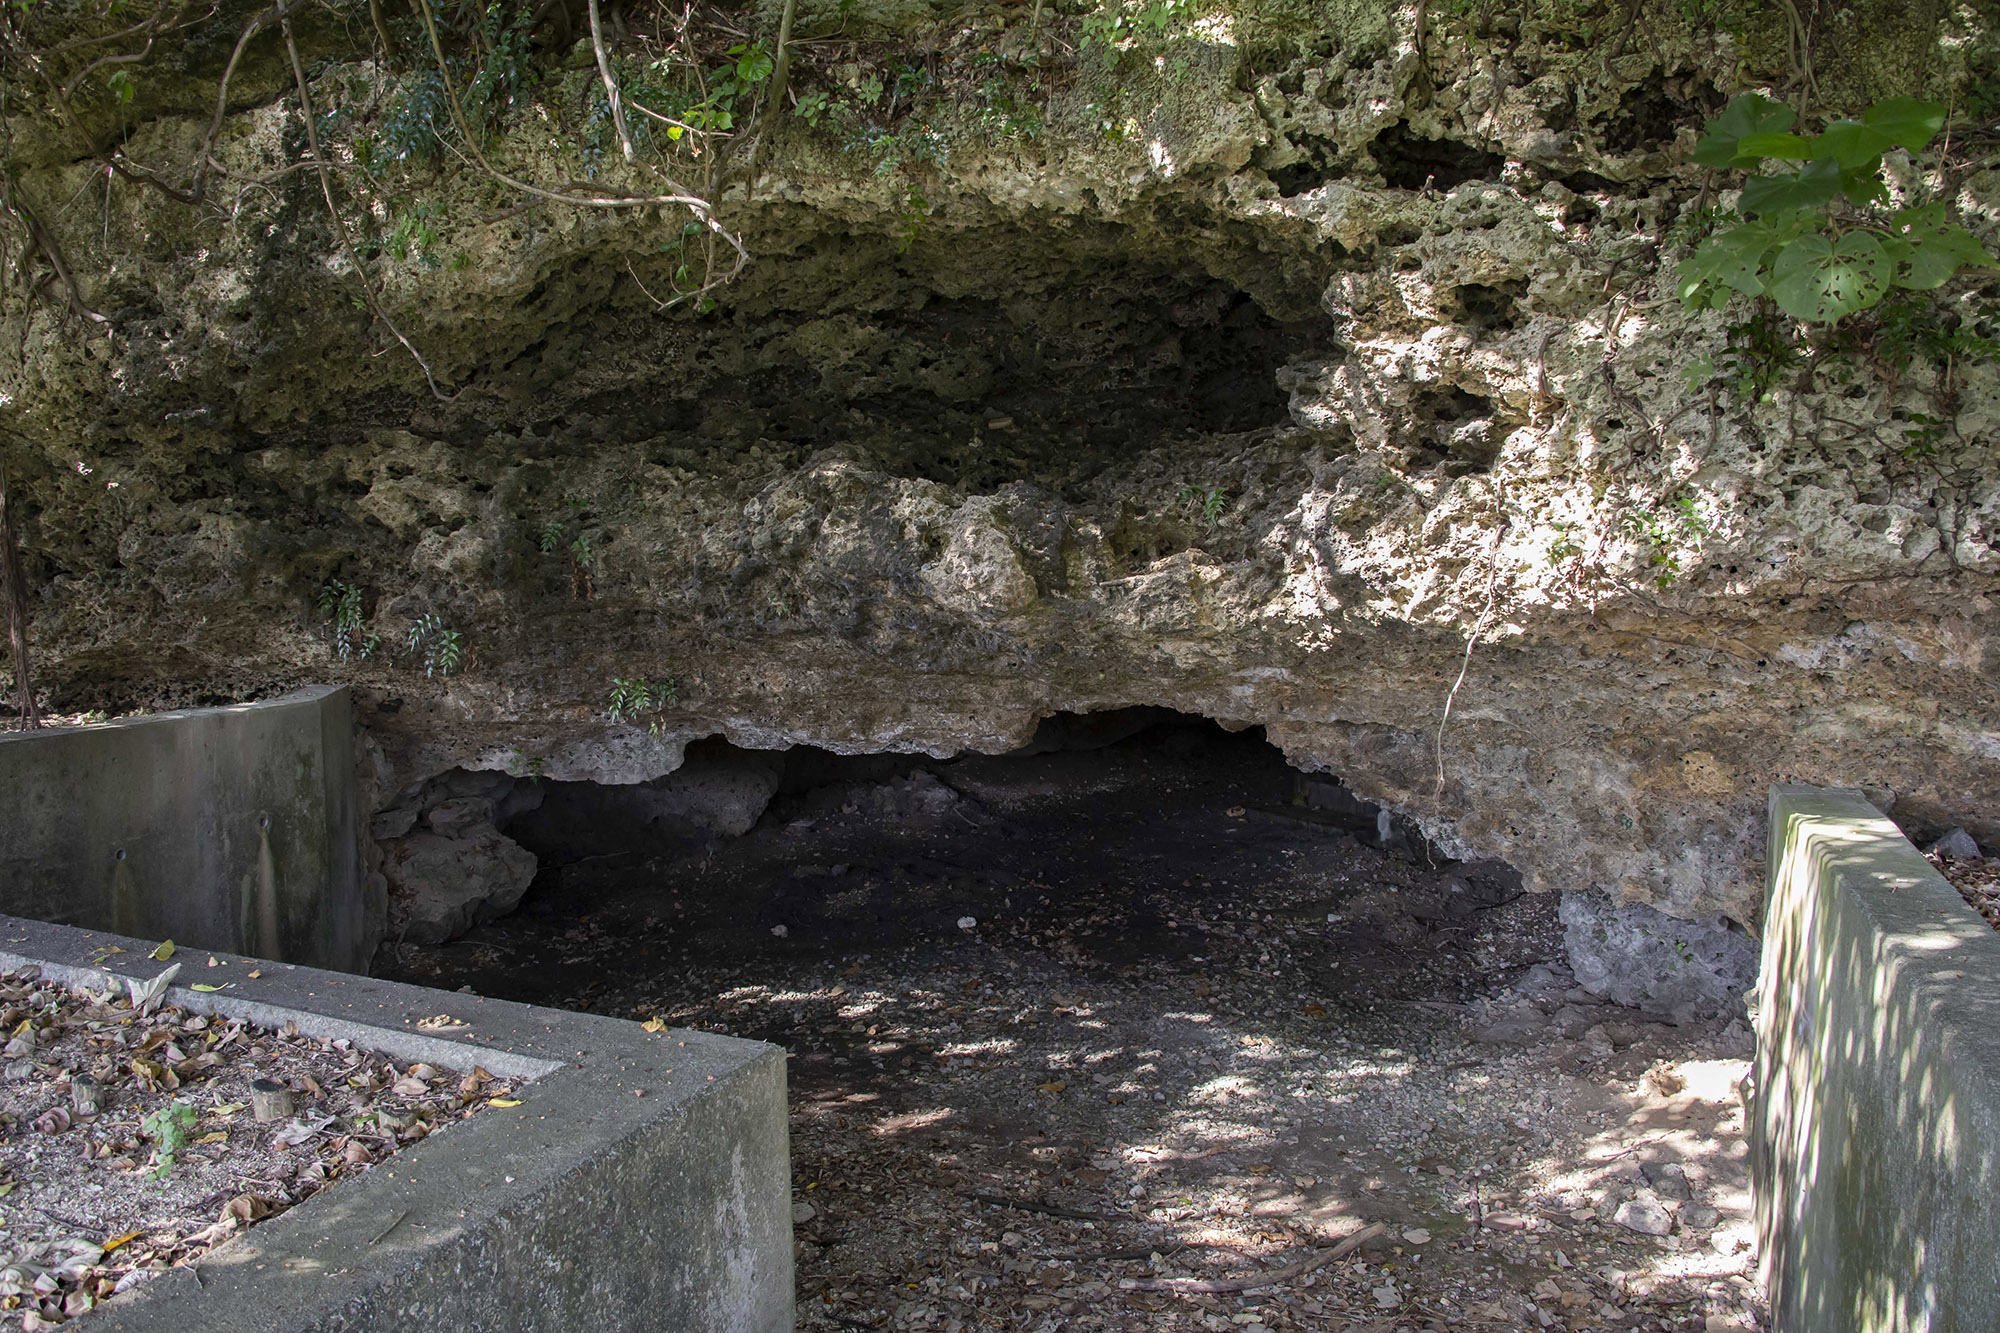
x=1099 y=1038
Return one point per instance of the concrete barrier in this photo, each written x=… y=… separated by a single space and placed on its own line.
x=221 y=828
x=584 y=1207
x=1875 y=1126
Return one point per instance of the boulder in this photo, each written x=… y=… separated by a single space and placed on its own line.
x=1636 y=956
x=1956 y=845
x=440 y=887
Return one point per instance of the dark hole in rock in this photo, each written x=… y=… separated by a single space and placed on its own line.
x=1410 y=162
x=1650 y=113
x=1491 y=306
x=1296 y=179
x=1124 y=833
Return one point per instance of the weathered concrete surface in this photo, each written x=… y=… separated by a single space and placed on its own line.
x=1875 y=1128
x=586 y=1207
x=221 y=828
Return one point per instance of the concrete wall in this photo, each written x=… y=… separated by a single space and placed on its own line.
x=220 y=828
x=1875 y=1127
x=584 y=1208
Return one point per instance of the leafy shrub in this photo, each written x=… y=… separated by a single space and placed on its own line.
x=1818 y=239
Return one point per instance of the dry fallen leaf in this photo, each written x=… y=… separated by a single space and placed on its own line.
x=655 y=1025
x=504 y=1101
x=1056 y=1085
x=164 y=952
x=439 y=1023
x=255 y=973
x=125 y=1239
x=409 y=1087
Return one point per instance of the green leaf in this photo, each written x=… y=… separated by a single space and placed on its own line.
x=1936 y=247
x=1811 y=186
x=1739 y=258
x=1752 y=113
x=1789 y=146
x=1908 y=123
x=1854 y=145
x=1818 y=281
x=1863 y=185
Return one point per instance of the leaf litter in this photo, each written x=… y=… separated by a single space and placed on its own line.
x=129 y=1145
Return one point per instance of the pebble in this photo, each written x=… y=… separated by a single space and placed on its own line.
x=803 y=1213
x=1644 y=1214
x=1417 y=1236
x=1386 y=1298
x=1668 y=1180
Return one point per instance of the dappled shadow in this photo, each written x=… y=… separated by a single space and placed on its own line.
x=1876 y=1152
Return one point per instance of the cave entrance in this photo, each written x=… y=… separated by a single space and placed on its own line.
x=1135 y=843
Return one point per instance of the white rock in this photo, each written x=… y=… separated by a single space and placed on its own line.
x=968 y=922
x=1386 y=1298
x=781 y=931
x=1645 y=1214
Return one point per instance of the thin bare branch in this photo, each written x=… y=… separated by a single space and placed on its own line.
x=610 y=83
x=333 y=210
x=206 y=158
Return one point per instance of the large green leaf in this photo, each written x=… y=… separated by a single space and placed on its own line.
x=1752 y=113
x=1812 y=186
x=1854 y=145
x=1739 y=259
x=1788 y=146
x=1908 y=123
x=1714 y=262
x=1863 y=185
x=1817 y=281
x=1935 y=247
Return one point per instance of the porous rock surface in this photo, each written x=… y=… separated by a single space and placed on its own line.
x=1341 y=348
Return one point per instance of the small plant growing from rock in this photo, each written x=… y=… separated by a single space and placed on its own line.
x=638 y=697
x=578 y=547
x=168 y=1128
x=1209 y=502
x=1668 y=530
x=340 y=608
x=443 y=649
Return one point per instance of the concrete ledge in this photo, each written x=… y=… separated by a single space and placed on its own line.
x=223 y=828
x=1875 y=1128
x=586 y=1207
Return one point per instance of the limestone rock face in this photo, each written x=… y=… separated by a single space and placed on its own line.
x=1284 y=379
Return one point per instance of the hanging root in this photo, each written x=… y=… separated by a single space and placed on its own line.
x=1478 y=628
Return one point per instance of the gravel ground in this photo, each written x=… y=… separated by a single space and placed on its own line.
x=1098 y=1041
x=130 y=1140
x=1977 y=880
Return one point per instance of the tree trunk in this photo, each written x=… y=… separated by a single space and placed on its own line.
x=14 y=593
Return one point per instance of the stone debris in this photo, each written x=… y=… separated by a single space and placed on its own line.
x=1956 y=845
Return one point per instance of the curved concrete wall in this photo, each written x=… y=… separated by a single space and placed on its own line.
x=219 y=828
